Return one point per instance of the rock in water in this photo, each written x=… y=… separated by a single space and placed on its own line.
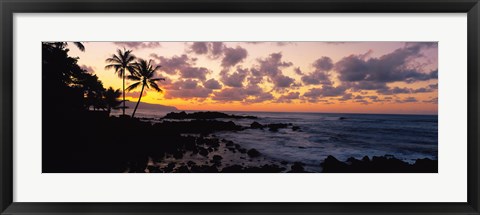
x=253 y=153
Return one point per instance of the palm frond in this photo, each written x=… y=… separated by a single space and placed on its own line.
x=154 y=86
x=79 y=46
x=133 y=86
x=158 y=79
x=134 y=77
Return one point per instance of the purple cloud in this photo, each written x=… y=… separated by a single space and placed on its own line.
x=138 y=45
x=212 y=84
x=233 y=56
x=182 y=65
x=287 y=98
x=235 y=79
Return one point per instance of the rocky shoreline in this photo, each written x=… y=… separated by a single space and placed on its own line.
x=189 y=145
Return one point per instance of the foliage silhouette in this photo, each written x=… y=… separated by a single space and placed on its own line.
x=111 y=99
x=79 y=45
x=144 y=74
x=122 y=62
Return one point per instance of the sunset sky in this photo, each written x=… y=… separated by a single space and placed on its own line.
x=347 y=77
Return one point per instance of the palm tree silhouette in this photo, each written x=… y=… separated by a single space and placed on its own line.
x=111 y=99
x=144 y=73
x=120 y=62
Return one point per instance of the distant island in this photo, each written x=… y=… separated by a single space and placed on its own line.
x=149 y=106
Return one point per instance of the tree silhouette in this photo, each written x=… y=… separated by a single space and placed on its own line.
x=121 y=62
x=143 y=75
x=62 y=45
x=111 y=98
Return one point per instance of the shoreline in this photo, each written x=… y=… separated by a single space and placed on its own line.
x=192 y=146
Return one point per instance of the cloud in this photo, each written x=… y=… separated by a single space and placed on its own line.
x=405 y=90
x=173 y=64
x=212 y=49
x=315 y=78
x=432 y=101
x=229 y=94
x=392 y=67
x=271 y=67
x=298 y=71
x=138 y=45
x=216 y=48
x=346 y=97
x=233 y=56
x=212 y=84
x=235 y=79
x=89 y=69
x=262 y=97
x=314 y=94
x=252 y=90
x=251 y=93
x=421 y=45
x=199 y=48
x=323 y=64
x=182 y=65
x=282 y=81
x=194 y=72
x=407 y=100
x=135 y=95
x=321 y=74
x=279 y=43
x=287 y=98
x=186 y=89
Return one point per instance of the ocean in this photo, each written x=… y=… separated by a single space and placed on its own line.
x=407 y=137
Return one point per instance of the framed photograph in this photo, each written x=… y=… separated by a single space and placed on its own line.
x=200 y=107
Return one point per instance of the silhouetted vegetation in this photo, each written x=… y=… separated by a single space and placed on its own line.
x=121 y=63
x=143 y=75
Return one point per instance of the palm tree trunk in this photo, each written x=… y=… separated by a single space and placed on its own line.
x=123 y=77
x=139 y=97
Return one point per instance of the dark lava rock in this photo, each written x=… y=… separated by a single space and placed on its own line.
x=204 y=169
x=183 y=169
x=295 y=128
x=233 y=169
x=331 y=164
x=274 y=127
x=297 y=167
x=253 y=153
x=153 y=169
x=267 y=168
x=256 y=125
x=217 y=158
x=242 y=150
x=229 y=143
x=202 y=151
x=190 y=163
x=379 y=164
x=204 y=115
x=196 y=127
x=169 y=167
x=212 y=142
x=178 y=155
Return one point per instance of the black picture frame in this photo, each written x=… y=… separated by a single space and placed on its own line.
x=9 y=7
